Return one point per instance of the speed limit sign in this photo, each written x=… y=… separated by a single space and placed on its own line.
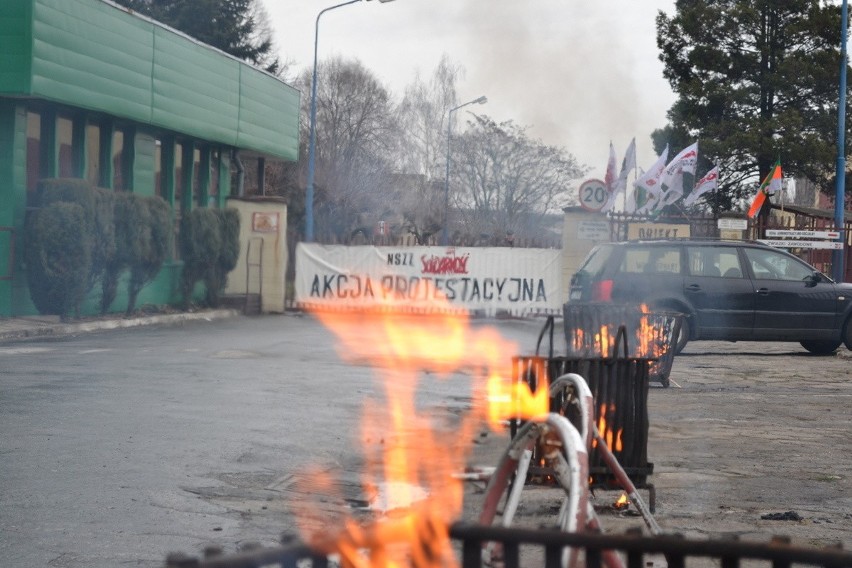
x=593 y=194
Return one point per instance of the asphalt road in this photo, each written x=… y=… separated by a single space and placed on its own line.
x=119 y=447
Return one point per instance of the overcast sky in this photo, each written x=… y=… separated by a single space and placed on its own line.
x=579 y=73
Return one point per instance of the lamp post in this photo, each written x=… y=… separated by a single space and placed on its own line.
x=312 y=141
x=837 y=268
x=445 y=240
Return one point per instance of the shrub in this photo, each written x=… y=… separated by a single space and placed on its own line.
x=142 y=240
x=58 y=258
x=209 y=245
x=97 y=207
x=153 y=216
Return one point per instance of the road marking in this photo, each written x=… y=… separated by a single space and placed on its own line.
x=25 y=350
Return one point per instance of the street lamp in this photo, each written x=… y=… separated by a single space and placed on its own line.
x=445 y=240
x=312 y=142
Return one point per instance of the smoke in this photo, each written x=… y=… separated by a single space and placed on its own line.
x=579 y=74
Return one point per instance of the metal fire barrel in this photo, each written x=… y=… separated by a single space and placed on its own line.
x=600 y=329
x=619 y=386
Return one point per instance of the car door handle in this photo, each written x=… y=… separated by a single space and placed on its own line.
x=693 y=288
x=763 y=291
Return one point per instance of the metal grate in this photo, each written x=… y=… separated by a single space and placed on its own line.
x=638 y=551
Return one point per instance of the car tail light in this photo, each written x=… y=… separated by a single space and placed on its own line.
x=602 y=291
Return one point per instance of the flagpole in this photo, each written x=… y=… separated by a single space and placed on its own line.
x=837 y=269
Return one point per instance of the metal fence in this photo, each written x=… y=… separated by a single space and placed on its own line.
x=636 y=550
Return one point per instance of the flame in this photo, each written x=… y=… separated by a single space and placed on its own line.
x=415 y=456
x=613 y=439
x=622 y=502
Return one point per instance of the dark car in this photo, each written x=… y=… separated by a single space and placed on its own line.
x=728 y=290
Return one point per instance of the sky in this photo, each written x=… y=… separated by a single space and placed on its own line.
x=579 y=74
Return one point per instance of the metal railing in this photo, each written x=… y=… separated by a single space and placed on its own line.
x=636 y=548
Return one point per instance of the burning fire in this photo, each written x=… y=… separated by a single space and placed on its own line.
x=612 y=439
x=416 y=461
x=648 y=339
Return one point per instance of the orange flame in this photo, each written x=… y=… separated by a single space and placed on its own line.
x=416 y=457
x=613 y=439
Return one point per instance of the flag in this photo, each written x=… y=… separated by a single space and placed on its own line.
x=609 y=178
x=671 y=182
x=709 y=182
x=646 y=188
x=771 y=183
x=627 y=164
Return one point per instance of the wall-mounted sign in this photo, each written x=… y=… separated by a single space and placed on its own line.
x=589 y=230
x=738 y=224
x=264 y=222
x=645 y=231
x=777 y=243
x=791 y=234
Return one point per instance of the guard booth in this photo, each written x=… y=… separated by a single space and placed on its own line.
x=94 y=91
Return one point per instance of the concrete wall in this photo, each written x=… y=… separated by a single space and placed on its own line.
x=263 y=251
x=582 y=230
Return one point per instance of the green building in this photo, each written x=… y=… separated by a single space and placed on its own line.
x=91 y=90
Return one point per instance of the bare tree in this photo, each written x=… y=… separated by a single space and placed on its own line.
x=505 y=182
x=355 y=133
x=422 y=116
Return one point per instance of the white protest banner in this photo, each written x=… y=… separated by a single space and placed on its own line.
x=416 y=278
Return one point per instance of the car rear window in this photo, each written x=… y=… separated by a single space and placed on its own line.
x=596 y=260
x=653 y=260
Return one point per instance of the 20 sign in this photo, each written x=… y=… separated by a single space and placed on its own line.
x=593 y=195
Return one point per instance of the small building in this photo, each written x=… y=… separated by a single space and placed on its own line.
x=91 y=90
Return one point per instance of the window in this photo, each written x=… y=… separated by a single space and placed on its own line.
x=213 y=188
x=773 y=265
x=93 y=153
x=196 y=178
x=118 y=160
x=723 y=262
x=65 y=141
x=659 y=260
x=158 y=167
x=34 y=157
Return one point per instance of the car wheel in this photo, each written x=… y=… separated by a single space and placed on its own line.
x=685 y=334
x=847 y=333
x=821 y=347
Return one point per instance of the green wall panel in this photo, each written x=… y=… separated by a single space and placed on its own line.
x=93 y=55
x=15 y=46
x=184 y=95
x=268 y=119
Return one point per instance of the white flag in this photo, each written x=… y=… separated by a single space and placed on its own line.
x=627 y=164
x=671 y=182
x=709 y=182
x=648 y=182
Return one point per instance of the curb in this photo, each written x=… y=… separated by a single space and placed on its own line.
x=24 y=328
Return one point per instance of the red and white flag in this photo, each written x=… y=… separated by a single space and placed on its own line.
x=627 y=164
x=609 y=177
x=709 y=182
x=671 y=181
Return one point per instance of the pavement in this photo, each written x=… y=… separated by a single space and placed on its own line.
x=32 y=327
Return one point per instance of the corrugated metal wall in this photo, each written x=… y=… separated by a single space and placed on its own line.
x=93 y=55
x=15 y=42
